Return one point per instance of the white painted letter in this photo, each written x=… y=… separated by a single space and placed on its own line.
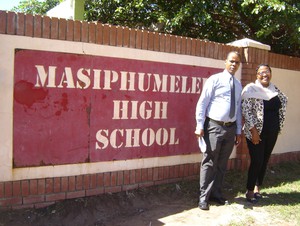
x=42 y=76
x=67 y=78
x=83 y=81
x=101 y=136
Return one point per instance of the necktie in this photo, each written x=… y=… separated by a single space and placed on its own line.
x=232 y=98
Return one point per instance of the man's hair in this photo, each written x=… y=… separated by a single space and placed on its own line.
x=236 y=53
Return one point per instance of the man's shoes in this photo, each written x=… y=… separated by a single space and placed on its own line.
x=221 y=201
x=203 y=205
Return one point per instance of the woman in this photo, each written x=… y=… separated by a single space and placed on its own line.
x=263 y=108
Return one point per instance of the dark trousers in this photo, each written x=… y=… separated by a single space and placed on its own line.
x=260 y=155
x=220 y=141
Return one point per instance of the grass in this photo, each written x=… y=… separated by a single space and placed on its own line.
x=244 y=222
x=281 y=196
x=281 y=191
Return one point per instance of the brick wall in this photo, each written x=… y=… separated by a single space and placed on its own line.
x=90 y=32
x=42 y=192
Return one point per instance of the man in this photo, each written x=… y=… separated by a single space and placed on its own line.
x=219 y=124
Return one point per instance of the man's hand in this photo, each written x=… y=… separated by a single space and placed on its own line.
x=201 y=134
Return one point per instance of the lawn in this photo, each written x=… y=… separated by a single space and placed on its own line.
x=281 y=191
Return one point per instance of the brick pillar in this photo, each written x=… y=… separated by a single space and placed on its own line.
x=254 y=53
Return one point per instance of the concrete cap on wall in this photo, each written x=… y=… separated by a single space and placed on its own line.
x=246 y=42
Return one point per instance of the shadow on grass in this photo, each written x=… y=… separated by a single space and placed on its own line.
x=276 y=176
x=278 y=199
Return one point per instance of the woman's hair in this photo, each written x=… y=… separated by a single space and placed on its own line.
x=263 y=65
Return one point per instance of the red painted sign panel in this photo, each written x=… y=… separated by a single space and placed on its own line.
x=76 y=108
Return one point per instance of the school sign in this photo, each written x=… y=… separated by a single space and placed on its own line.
x=76 y=108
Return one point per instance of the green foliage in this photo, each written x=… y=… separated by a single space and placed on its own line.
x=273 y=22
x=35 y=6
x=278 y=25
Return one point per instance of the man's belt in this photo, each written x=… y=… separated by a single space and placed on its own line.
x=227 y=124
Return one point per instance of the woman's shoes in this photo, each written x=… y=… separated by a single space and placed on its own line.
x=251 y=198
x=257 y=195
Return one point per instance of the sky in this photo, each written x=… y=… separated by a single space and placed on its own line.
x=8 y=4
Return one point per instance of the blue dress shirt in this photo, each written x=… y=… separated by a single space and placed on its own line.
x=214 y=101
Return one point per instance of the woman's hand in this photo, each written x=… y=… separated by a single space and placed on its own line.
x=238 y=139
x=255 y=136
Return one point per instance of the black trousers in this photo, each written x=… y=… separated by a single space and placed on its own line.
x=260 y=155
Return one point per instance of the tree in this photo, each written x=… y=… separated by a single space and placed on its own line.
x=278 y=25
x=273 y=22
x=35 y=6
